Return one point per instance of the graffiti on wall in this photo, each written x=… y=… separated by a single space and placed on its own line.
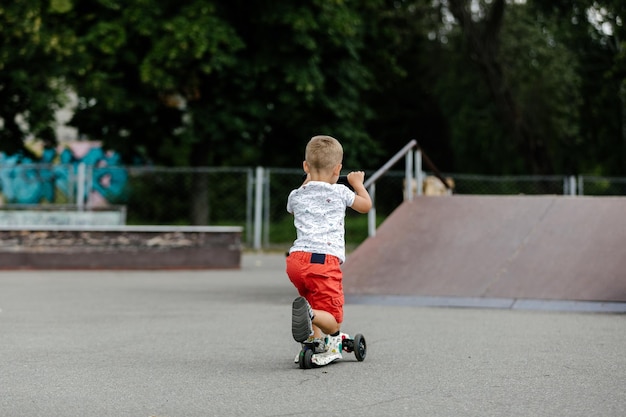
x=24 y=180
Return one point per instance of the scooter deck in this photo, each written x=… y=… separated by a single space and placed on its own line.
x=309 y=359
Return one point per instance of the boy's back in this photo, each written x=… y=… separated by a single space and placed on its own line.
x=319 y=212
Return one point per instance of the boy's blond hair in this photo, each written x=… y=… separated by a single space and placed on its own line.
x=323 y=153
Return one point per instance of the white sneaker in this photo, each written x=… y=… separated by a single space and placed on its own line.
x=333 y=351
x=319 y=347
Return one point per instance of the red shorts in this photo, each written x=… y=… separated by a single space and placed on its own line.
x=318 y=278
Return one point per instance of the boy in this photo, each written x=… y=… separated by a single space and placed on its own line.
x=314 y=260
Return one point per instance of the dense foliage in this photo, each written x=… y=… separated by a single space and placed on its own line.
x=498 y=87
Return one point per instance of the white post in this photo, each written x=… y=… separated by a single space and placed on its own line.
x=569 y=185
x=266 y=208
x=581 y=189
x=80 y=186
x=419 y=174
x=249 y=204
x=408 y=176
x=371 y=215
x=572 y=185
x=258 y=208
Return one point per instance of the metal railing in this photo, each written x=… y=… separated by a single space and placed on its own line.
x=412 y=175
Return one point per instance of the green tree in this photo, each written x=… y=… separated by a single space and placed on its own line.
x=407 y=64
x=595 y=32
x=531 y=83
x=507 y=87
x=213 y=83
x=200 y=83
x=33 y=59
x=545 y=96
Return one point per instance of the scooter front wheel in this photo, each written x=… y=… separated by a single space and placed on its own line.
x=306 y=359
x=360 y=347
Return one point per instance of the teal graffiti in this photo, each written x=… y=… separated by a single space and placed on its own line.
x=27 y=181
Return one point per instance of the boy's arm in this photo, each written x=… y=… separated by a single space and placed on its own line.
x=362 y=201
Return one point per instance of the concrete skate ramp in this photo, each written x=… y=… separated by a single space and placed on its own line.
x=516 y=247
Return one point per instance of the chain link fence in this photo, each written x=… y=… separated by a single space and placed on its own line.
x=510 y=185
x=232 y=195
x=601 y=186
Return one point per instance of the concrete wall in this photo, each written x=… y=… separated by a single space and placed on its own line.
x=123 y=247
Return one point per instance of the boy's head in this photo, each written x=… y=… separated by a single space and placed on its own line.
x=323 y=153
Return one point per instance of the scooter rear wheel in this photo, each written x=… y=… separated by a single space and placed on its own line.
x=360 y=347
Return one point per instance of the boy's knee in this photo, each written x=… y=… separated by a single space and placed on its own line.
x=334 y=329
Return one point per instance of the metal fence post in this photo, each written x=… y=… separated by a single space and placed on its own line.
x=419 y=174
x=90 y=177
x=569 y=185
x=258 y=208
x=249 y=205
x=408 y=176
x=80 y=186
x=266 y=208
x=581 y=188
x=371 y=215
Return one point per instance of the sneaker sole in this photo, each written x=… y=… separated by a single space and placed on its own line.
x=301 y=327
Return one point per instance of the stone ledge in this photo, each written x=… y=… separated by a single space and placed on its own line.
x=121 y=247
x=60 y=215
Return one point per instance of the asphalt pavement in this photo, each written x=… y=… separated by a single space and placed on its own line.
x=218 y=343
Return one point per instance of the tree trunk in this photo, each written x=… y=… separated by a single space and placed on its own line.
x=200 y=209
x=483 y=40
x=199 y=204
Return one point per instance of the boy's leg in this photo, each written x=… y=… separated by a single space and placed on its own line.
x=328 y=347
x=324 y=322
x=326 y=291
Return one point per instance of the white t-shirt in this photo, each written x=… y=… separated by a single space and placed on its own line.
x=319 y=210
